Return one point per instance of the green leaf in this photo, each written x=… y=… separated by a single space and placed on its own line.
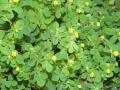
x=47 y=12
x=109 y=31
x=111 y=2
x=46 y=65
x=62 y=55
x=50 y=86
x=41 y=82
x=65 y=71
x=56 y=75
x=4 y=50
x=98 y=77
x=2 y=34
x=72 y=46
x=58 y=13
x=63 y=77
x=40 y=78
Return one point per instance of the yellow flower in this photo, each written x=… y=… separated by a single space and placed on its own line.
x=78 y=10
x=71 y=1
x=78 y=24
x=87 y=3
x=17 y=69
x=79 y=86
x=116 y=63
x=98 y=24
x=53 y=58
x=115 y=53
x=68 y=81
x=82 y=45
x=14 y=53
x=70 y=62
x=70 y=30
x=55 y=2
x=108 y=71
x=76 y=34
x=15 y=1
x=14 y=40
x=14 y=25
x=92 y=74
x=118 y=33
x=102 y=37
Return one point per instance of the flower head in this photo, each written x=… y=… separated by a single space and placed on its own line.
x=82 y=45
x=53 y=58
x=98 y=24
x=78 y=10
x=116 y=63
x=92 y=74
x=17 y=69
x=115 y=53
x=108 y=71
x=70 y=62
x=102 y=37
x=70 y=30
x=76 y=34
x=79 y=86
x=14 y=1
x=14 y=53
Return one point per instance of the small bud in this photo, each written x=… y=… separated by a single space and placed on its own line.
x=54 y=58
x=102 y=37
x=70 y=30
x=14 y=53
x=78 y=10
x=70 y=62
x=14 y=1
x=17 y=69
x=92 y=74
x=79 y=86
x=82 y=45
x=108 y=71
x=78 y=24
x=116 y=64
x=87 y=3
x=118 y=33
x=71 y=1
x=55 y=2
x=76 y=34
x=98 y=24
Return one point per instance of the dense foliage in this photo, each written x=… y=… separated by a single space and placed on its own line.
x=59 y=44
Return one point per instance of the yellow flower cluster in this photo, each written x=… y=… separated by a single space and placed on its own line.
x=92 y=74
x=82 y=45
x=14 y=53
x=14 y=1
x=54 y=58
x=78 y=10
x=17 y=69
x=115 y=53
x=79 y=86
x=70 y=62
x=98 y=24
x=108 y=71
x=102 y=37
x=71 y=30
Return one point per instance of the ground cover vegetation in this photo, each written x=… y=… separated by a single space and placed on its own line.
x=59 y=44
